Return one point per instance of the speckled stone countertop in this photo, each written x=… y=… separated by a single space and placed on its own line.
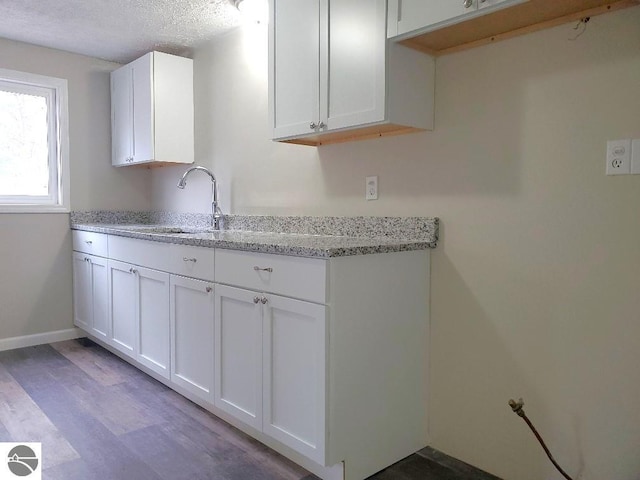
x=328 y=237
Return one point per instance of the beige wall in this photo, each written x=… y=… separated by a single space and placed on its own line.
x=35 y=283
x=535 y=280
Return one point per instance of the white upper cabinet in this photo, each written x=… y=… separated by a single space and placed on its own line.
x=439 y=27
x=294 y=80
x=409 y=15
x=352 y=92
x=333 y=77
x=152 y=111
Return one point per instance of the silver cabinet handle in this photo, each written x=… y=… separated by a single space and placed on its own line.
x=321 y=125
x=258 y=269
x=194 y=260
x=313 y=125
x=256 y=299
x=88 y=242
x=133 y=270
x=467 y=3
x=264 y=300
x=209 y=289
x=87 y=259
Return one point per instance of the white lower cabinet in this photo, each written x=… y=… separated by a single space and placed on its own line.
x=122 y=307
x=294 y=370
x=238 y=354
x=82 y=294
x=191 y=305
x=90 y=294
x=153 y=320
x=270 y=366
x=139 y=314
x=314 y=357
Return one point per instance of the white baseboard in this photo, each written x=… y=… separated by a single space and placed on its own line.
x=40 y=338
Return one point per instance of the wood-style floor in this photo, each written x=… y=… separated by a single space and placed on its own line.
x=100 y=418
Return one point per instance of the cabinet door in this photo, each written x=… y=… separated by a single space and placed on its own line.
x=100 y=297
x=353 y=63
x=82 y=296
x=238 y=354
x=143 y=113
x=414 y=14
x=122 y=307
x=153 y=320
x=192 y=313
x=294 y=363
x=121 y=115
x=294 y=66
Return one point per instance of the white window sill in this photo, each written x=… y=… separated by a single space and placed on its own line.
x=7 y=208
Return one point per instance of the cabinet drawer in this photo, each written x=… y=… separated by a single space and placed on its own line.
x=89 y=242
x=185 y=260
x=297 y=277
x=195 y=262
x=140 y=252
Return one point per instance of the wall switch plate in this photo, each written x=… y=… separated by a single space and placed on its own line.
x=618 y=157
x=371 y=192
x=635 y=156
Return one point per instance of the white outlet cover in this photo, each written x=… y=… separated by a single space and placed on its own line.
x=371 y=192
x=635 y=156
x=618 y=157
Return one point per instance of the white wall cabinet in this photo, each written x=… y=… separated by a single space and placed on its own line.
x=152 y=111
x=440 y=27
x=333 y=76
x=410 y=15
x=192 y=310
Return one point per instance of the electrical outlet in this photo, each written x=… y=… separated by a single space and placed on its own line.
x=635 y=156
x=371 y=192
x=618 y=157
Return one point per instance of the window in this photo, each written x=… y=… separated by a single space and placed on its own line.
x=34 y=153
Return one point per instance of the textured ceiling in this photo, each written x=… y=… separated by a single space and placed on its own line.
x=116 y=30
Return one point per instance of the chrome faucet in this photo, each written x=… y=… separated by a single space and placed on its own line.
x=216 y=213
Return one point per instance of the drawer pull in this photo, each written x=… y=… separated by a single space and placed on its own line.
x=194 y=260
x=88 y=242
x=258 y=269
x=133 y=270
x=264 y=300
x=209 y=289
x=256 y=299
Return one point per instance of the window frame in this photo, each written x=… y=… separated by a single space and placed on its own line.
x=56 y=92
